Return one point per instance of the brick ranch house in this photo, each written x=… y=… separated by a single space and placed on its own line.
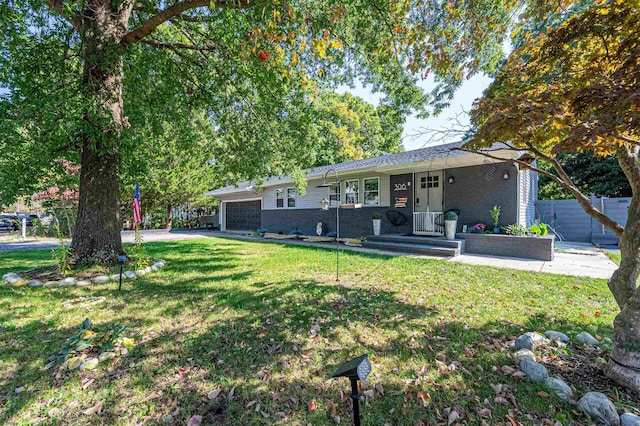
x=420 y=184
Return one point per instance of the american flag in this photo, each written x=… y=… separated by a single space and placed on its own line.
x=137 y=210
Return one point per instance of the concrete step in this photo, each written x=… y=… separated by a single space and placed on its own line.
x=415 y=239
x=425 y=249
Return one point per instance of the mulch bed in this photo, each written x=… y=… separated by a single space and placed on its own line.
x=583 y=369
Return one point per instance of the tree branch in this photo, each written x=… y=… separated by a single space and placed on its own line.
x=177 y=46
x=565 y=181
x=58 y=7
x=626 y=139
x=176 y=10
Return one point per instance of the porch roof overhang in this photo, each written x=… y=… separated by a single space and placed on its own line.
x=426 y=159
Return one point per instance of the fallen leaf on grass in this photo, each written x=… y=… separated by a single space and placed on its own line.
x=484 y=412
x=543 y=394
x=194 y=421
x=380 y=389
x=312 y=405
x=423 y=395
x=441 y=366
x=332 y=408
x=96 y=409
x=88 y=383
x=214 y=393
x=251 y=403
x=453 y=416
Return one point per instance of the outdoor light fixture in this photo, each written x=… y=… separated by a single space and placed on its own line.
x=505 y=176
x=451 y=179
x=121 y=259
x=325 y=206
x=356 y=369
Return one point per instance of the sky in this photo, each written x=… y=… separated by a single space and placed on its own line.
x=414 y=136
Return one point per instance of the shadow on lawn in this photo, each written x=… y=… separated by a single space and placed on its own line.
x=277 y=343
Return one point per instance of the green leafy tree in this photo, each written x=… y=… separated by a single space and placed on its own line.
x=592 y=174
x=348 y=128
x=174 y=167
x=572 y=85
x=86 y=81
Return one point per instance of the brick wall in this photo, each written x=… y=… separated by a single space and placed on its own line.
x=540 y=248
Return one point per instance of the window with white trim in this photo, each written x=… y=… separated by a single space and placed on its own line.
x=371 y=191
x=279 y=198
x=334 y=195
x=291 y=197
x=351 y=191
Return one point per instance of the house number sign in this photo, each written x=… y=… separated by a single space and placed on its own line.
x=400 y=187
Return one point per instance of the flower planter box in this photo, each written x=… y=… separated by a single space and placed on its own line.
x=539 y=248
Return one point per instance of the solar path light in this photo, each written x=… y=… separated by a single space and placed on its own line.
x=121 y=260
x=355 y=369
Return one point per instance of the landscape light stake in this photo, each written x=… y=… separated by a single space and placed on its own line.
x=121 y=259
x=325 y=206
x=355 y=369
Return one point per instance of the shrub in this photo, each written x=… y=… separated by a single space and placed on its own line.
x=539 y=229
x=450 y=215
x=495 y=214
x=515 y=229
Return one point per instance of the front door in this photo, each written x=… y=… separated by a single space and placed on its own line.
x=428 y=192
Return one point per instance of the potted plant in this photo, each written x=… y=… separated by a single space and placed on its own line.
x=450 y=224
x=377 y=224
x=495 y=214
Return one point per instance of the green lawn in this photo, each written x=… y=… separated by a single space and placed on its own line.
x=613 y=256
x=240 y=317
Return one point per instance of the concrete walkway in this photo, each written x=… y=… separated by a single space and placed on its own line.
x=577 y=259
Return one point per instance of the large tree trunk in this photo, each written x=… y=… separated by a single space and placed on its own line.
x=624 y=364
x=97 y=235
x=169 y=216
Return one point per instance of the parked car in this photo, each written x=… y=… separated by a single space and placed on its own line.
x=10 y=221
x=6 y=225
x=28 y=216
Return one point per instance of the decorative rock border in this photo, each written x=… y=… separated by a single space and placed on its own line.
x=14 y=280
x=597 y=406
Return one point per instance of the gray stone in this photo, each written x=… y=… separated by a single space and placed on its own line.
x=141 y=272
x=115 y=277
x=559 y=388
x=523 y=342
x=153 y=268
x=35 y=283
x=129 y=274
x=52 y=283
x=599 y=408
x=148 y=269
x=628 y=419
x=534 y=371
x=83 y=283
x=9 y=275
x=68 y=282
x=89 y=364
x=159 y=265
x=524 y=354
x=586 y=338
x=537 y=338
x=106 y=355
x=556 y=336
x=101 y=279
